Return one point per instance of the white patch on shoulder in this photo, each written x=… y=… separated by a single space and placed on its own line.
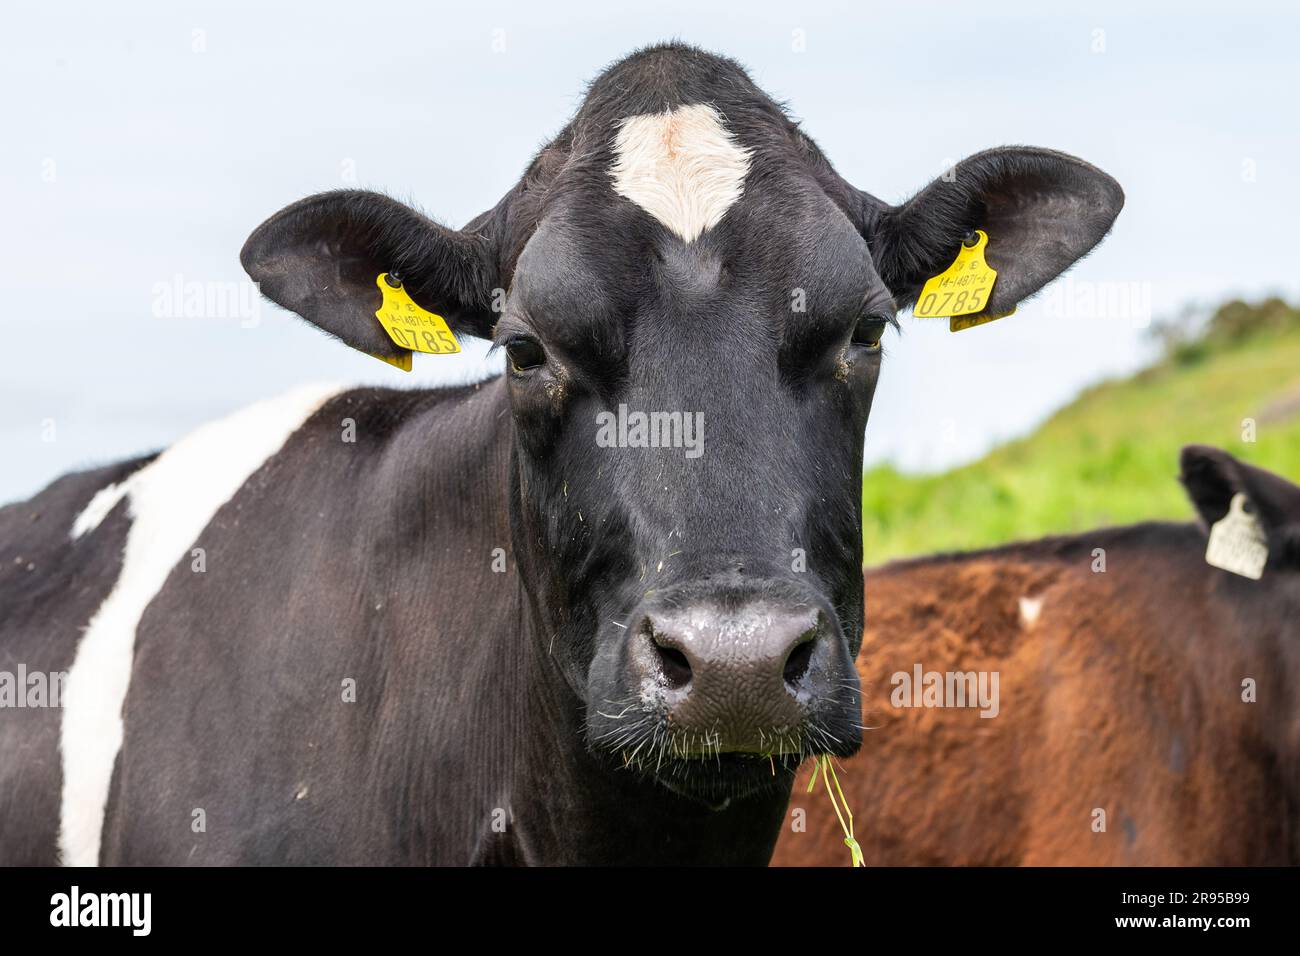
x=1030 y=608
x=170 y=501
x=98 y=507
x=683 y=167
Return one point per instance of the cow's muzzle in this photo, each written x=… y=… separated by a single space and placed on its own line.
x=761 y=675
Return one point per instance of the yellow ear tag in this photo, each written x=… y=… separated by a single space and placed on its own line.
x=960 y=323
x=410 y=326
x=403 y=361
x=960 y=289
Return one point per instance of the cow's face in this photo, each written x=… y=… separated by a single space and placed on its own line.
x=711 y=586
x=691 y=308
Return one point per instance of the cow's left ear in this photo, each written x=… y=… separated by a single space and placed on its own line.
x=1042 y=211
x=1212 y=478
x=321 y=257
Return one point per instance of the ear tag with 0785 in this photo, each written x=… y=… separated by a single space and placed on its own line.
x=410 y=326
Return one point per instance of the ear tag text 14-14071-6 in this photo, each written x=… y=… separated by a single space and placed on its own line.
x=961 y=289
x=410 y=326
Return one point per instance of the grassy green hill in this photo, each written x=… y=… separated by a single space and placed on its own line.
x=1111 y=456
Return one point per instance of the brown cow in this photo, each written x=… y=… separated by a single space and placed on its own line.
x=1144 y=710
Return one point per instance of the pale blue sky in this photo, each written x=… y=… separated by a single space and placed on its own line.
x=143 y=144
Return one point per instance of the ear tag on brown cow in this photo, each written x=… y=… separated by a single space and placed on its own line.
x=410 y=326
x=1237 y=542
x=961 y=289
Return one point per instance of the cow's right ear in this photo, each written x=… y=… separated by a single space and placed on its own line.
x=321 y=257
x=1212 y=478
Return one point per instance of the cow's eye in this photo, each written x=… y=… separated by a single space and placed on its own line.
x=869 y=331
x=524 y=354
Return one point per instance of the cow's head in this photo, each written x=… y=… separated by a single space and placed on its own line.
x=1215 y=479
x=682 y=257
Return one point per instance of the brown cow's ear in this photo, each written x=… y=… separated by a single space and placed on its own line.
x=1212 y=478
x=321 y=256
x=1042 y=211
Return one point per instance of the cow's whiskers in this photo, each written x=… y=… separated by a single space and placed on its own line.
x=643 y=742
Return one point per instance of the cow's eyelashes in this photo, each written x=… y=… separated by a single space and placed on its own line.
x=870 y=329
x=524 y=354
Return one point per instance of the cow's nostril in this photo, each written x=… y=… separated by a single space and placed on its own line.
x=796 y=665
x=674 y=666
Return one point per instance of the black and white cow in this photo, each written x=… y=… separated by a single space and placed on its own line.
x=474 y=633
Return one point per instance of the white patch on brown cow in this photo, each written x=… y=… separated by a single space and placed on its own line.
x=682 y=166
x=170 y=501
x=1030 y=609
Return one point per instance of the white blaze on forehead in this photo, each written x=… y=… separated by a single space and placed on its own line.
x=682 y=167
x=170 y=501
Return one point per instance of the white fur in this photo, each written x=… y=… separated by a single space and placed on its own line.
x=683 y=167
x=98 y=507
x=1030 y=609
x=171 y=501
